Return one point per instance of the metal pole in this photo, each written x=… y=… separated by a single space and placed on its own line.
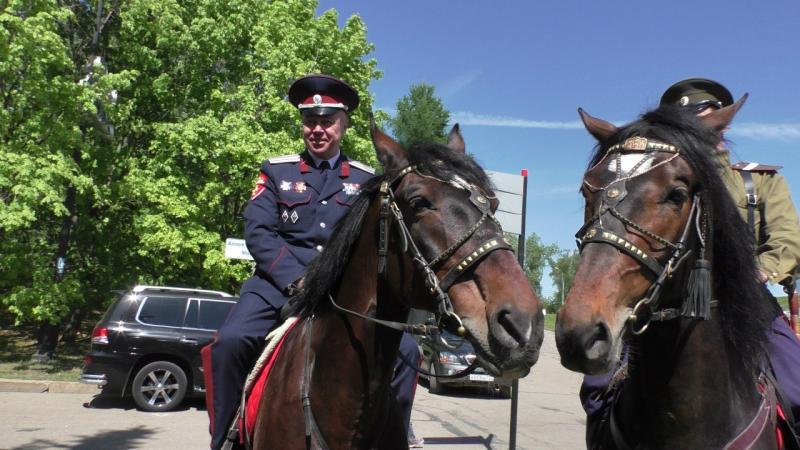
x=512 y=435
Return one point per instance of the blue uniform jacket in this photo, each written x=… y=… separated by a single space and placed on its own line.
x=291 y=215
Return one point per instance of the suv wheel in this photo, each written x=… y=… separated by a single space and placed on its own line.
x=159 y=386
x=434 y=386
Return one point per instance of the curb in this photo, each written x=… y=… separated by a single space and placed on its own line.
x=43 y=386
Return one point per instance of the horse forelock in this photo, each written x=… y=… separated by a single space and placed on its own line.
x=445 y=164
x=745 y=316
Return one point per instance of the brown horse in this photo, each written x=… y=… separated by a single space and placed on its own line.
x=667 y=275
x=423 y=235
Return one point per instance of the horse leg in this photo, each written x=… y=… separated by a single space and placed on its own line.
x=394 y=434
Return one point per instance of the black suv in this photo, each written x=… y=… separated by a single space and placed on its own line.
x=148 y=343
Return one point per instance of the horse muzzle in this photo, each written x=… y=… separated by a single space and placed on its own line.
x=586 y=348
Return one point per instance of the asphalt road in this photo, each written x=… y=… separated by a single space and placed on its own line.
x=549 y=417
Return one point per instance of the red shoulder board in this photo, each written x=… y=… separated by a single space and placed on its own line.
x=261 y=184
x=755 y=167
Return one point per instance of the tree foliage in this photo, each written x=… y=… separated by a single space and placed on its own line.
x=537 y=256
x=132 y=131
x=420 y=117
x=562 y=272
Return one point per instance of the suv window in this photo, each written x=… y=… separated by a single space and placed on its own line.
x=165 y=311
x=213 y=313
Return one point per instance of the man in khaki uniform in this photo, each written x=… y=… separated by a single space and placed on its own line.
x=759 y=190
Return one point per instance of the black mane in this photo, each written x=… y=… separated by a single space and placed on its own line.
x=745 y=312
x=326 y=270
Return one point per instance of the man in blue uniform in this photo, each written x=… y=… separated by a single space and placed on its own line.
x=296 y=203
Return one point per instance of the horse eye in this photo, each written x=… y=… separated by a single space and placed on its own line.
x=678 y=196
x=419 y=204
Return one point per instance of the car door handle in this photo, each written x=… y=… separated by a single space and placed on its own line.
x=188 y=341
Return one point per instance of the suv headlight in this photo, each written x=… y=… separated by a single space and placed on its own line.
x=449 y=358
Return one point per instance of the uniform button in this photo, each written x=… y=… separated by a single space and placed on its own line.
x=324 y=202
x=322 y=224
x=319 y=248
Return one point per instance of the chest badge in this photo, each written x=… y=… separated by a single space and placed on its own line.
x=351 y=188
x=300 y=186
x=284 y=216
x=294 y=216
x=286 y=185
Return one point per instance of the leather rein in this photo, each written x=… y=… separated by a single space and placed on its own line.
x=647 y=309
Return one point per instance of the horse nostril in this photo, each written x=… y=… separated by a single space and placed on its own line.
x=599 y=342
x=514 y=323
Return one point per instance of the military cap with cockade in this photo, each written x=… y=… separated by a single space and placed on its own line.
x=697 y=94
x=321 y=95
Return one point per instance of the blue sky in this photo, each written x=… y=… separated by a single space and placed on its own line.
x=513 y=74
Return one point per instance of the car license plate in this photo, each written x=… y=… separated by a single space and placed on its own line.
x=479 y=377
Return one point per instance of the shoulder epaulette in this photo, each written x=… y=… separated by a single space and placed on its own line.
x=284 y=159
x=755 y=167
x=362 y=166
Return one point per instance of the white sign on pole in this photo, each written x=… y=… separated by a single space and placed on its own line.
x=236 y=249
x=509 y=190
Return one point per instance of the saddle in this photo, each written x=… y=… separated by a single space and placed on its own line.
x=243 y=427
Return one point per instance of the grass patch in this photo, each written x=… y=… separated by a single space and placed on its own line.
x=550 y=322
x=17 y=345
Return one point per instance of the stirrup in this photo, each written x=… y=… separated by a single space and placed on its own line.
x=232 y=436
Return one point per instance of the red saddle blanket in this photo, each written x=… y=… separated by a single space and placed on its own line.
x=254 y=396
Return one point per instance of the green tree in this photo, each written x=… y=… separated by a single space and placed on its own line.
x=537 y=256
x=420 y=117
x=132 y=132
x=562 y=272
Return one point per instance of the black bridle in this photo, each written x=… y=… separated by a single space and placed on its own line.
x=390 y=213
x=647 y=309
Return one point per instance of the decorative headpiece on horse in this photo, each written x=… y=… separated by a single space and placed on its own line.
x=697 y=303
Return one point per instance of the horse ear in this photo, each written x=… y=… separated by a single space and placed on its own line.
x=599 y=128
x=390 y=154
x=719 y=119
x=455 y=141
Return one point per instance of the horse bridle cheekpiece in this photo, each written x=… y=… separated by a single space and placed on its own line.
x=593 y=231
x=446 y=318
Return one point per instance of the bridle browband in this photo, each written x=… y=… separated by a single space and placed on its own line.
x=646 y=310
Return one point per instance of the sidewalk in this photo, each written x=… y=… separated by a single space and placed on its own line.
x=44 y=386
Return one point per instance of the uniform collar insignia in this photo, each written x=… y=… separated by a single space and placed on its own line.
x=351 y=188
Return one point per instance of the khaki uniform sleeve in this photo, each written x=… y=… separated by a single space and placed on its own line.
x=778 y=246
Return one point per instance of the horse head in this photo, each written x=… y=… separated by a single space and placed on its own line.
x=450 y=255
x=646 y=221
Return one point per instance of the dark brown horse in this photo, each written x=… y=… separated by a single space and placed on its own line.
x=422 y=235
x=667 y=274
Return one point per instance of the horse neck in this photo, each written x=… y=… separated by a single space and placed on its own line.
x=685 y=389
x=365 y=353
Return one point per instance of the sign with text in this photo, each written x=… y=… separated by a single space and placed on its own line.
x=236 y=249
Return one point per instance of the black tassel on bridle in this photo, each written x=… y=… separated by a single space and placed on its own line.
x=697 y=303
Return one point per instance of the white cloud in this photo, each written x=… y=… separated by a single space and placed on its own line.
x=468 y=118
x=780 y=131
x=455 y=85
x=777 y=131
